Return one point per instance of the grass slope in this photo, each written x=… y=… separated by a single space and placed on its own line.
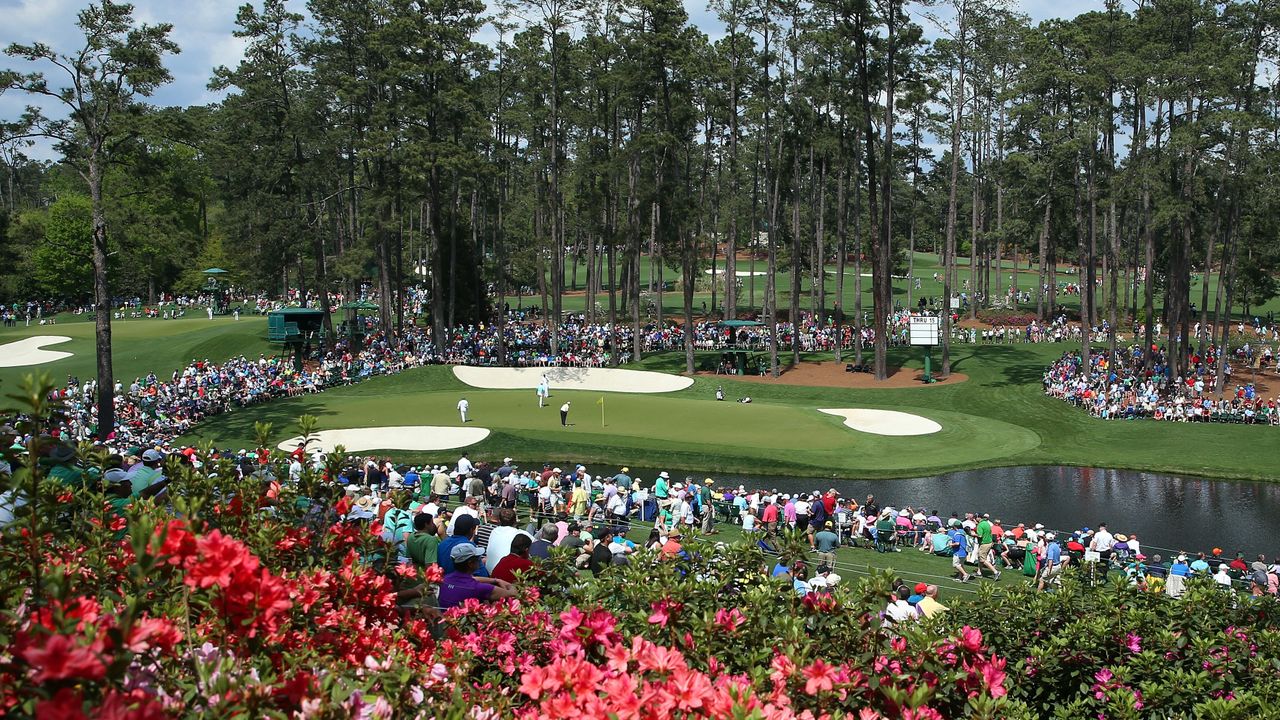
x=142 y=346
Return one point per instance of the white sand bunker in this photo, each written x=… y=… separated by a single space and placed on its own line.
x=737 y=273
x=28 y=351
x=885 y=422
x=410 y=437
x=571 y=378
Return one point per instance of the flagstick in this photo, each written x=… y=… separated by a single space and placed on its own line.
x=602 y=424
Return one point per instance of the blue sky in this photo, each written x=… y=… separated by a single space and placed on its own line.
x=202 y=28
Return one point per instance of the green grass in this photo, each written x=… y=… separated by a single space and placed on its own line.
x=998 y=418
x=142 y=346
x=853 y=563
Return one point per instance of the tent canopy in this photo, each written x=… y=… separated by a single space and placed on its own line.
x=215 y=271
x=740 y=323
x=359 y=305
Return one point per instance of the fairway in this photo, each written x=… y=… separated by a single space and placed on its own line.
x=140 y=346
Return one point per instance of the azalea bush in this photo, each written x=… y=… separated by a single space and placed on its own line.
x=1117 y=651
x=1015 y=318
x=241 y=598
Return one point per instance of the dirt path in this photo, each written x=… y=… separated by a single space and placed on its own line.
x=832 y=374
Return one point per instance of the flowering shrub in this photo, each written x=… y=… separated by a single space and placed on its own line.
x=250 y=608
x=1014 y=318
x=1120 y=652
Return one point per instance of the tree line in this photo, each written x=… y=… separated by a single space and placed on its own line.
x=476 y=151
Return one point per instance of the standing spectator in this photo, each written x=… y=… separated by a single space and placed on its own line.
x=825 y=541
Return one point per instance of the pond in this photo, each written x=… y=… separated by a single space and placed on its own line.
x=1167 y=512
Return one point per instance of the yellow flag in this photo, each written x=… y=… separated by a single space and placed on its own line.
x=600 y=401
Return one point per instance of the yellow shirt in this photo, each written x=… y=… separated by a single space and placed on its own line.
x=930 y=607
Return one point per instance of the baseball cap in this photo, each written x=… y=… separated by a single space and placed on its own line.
x=152 y=455
x=921 y=588
x=115 y=475
x=463 y=552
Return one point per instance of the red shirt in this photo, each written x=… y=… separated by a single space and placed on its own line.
x=769 y=514
x=508 y=565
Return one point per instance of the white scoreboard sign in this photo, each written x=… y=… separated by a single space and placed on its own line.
x=924 y=330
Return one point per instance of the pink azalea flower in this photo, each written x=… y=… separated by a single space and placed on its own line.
x=819 y=676
x=1133 y=642
x=730 y=620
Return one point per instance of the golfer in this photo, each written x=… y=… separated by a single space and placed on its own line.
x=463 y=407
x=543 y=391
x=564 y=414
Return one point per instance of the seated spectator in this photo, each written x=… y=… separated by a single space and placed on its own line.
x=461 y=584
x=517 y=560
x=899 y=610
x=423 y=543
x=929 y=605
x=546 y=537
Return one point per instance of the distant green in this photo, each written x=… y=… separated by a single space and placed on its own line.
x=999 y=417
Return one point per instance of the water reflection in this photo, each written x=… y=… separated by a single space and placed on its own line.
x=1165 y=511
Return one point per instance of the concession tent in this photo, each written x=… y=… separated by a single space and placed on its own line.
x=298 y=329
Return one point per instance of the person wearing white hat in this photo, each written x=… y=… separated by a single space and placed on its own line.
x=463 y=407
x=662 y=490
x=564 y=414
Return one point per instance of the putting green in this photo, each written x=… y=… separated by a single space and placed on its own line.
x=637 y=428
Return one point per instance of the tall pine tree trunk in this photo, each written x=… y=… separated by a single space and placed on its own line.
x=101 y=303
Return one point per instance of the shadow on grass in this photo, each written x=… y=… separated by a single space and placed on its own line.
x=1018 y=366
x=282 y=414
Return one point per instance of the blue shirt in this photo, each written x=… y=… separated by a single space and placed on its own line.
x=444 y=557
x=1053 y=553
x=1180 y=569
x=962 y=548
